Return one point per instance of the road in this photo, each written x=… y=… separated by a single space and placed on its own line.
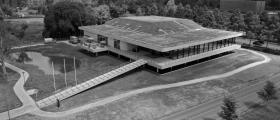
x=247 y=41
x=209 y=110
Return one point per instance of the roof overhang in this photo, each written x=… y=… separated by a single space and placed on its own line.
x=158 y=47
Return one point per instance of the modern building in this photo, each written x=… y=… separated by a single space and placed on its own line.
x=164 y=42
x=36 y=3
x=243 y=5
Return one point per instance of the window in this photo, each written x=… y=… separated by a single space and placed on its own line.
x=117 y=44
x=101 y=38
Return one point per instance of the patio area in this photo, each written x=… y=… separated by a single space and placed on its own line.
x=93 y=46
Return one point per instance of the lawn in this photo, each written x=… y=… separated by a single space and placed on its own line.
x=33 y=33
x=151 y=105
x=8 y=99
x=144 y=78
x=268 y=111
x=89 y=67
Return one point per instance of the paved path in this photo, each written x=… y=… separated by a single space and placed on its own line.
x=28 y=104
x=149 y=89
x=25 y=46
x=247 y=41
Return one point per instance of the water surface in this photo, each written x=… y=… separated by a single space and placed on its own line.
x=44 y=62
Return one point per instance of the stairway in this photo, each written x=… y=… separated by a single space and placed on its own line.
x=89 y=84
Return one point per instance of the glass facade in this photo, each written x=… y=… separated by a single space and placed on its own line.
x=201 y=48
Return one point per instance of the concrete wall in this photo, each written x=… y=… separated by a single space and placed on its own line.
x=123 y=45
x=243 y=5
x=110 y=42
x=127 y=46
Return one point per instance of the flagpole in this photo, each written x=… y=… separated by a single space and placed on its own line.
x=75 y=70
x=65 y=73
x=53 y=78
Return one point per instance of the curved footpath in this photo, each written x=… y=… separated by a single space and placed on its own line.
x=28 y=104
x=148 y=89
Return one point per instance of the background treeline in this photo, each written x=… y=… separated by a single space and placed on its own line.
x=63 y=18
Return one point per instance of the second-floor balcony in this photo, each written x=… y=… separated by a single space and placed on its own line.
x=93 y=46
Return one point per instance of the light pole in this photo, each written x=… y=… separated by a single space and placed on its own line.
x=23 y=77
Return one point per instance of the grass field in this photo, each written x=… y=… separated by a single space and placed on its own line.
x=8 y=99
x=268 y=111
x=143 y=78
x=148 y=106
x=90 y=67
x=151 y=105
x=33 y=33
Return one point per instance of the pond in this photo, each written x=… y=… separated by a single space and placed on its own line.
x=44 y=62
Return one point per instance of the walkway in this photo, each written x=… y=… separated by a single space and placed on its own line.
x=149 y=89
x=28 y=104
x=25 y=46
x=89 y=84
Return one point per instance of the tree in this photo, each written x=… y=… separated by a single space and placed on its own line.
x=189 y=12
x=102 y=13
x=19 y=30
x=221 y=19
x=5 y=46
x=7 y=9
x=2 y=15
x=171 y=8
x=237 y=21
x=154 y=9
x=250 y=35
x=63 y=19
x=228 y=109
x=139 y=11
x=180 y=13
x=268 y=92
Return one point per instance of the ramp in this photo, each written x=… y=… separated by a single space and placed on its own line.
x=89 y=84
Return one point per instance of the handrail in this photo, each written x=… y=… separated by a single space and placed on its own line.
x=90 y=83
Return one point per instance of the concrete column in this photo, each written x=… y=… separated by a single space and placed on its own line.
x=208 y=44
x=203 y=47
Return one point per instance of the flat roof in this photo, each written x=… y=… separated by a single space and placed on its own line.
x=159 y=33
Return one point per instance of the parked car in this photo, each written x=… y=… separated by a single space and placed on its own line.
x=74 y=40
x=49 y=40
x=258 y=43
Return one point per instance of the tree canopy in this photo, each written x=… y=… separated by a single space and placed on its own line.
x=228 y=109
x=268 y=92
x=63 y=19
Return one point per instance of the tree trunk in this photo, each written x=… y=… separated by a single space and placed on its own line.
x=2 y=59
x=266 y=44
x=3 y=68
x=250 y=42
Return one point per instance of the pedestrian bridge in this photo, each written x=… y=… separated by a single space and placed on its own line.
x=89 y=84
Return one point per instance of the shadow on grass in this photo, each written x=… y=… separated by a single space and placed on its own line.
x=86 y=52
x=209 y=119
x=253 y=105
